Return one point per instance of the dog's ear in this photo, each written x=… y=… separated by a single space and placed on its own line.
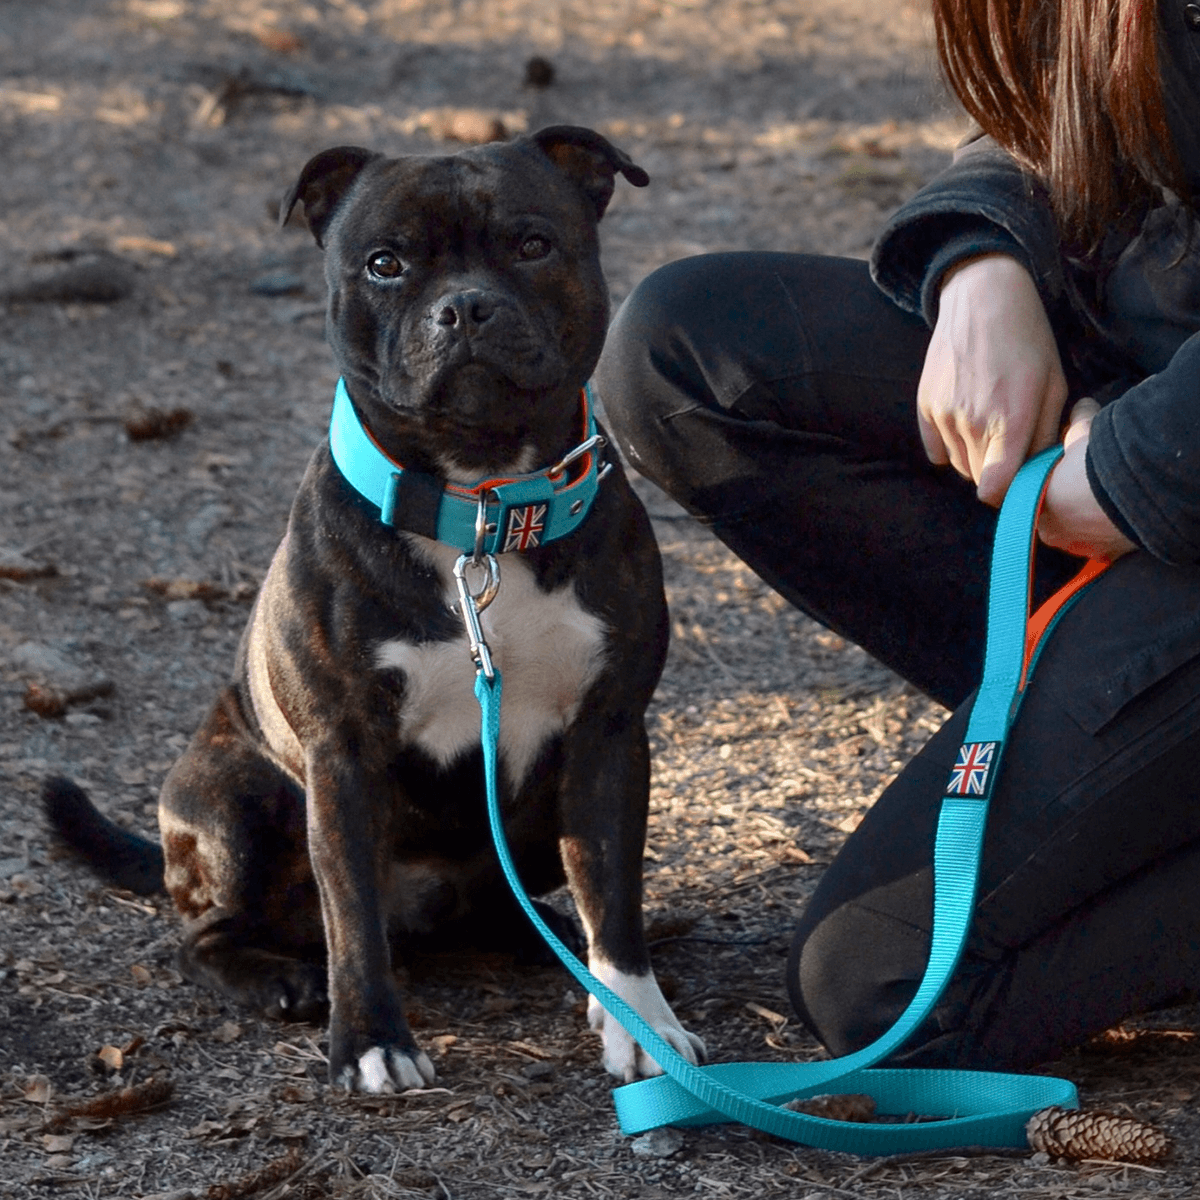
x=591 y=160
x=323 y=185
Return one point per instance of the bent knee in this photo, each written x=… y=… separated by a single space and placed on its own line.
x=852 y=975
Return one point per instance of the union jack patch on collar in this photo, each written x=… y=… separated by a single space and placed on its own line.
x=525 y=526
x=972 y=770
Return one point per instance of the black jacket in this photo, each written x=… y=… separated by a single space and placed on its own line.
x=1128 y=320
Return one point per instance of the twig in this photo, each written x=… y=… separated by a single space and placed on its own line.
x=892 y=1160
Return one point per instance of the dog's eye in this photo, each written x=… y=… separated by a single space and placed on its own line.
x=535 y=247
x=385 y=265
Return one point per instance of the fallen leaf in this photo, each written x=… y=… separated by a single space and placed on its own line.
x=229 y=1032
x=38 y=1089
x=10 y=1125
x=206 y=1129
x=279 y=40
x=111 y=1057
x=141 y=975
x=134 y=244
x=185 y=589
x=473 y=126
x=144 y=423
x=776 y=1019
x=58 y=1143
x=45 y=701
x=14 y=565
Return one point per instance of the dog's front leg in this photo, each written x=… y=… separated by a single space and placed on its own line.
x=606 y=787
x=371 y=1048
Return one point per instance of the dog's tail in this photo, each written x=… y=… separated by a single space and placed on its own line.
x=116 y=855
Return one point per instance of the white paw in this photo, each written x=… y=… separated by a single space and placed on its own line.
x=621 y=1055
x=383 y=1070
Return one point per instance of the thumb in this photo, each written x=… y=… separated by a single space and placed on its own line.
x=1080 y=420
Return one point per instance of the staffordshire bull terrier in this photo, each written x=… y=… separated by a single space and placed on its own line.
x=332 y=802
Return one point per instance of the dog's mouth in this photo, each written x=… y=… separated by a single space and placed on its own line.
x=481 y=392
x=477 y=392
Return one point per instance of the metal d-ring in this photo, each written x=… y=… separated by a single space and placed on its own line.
x=481 y=527
x=596 y=442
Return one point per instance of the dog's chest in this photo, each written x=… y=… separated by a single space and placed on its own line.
x=546 y=646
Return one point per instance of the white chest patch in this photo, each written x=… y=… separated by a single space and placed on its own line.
x=546 y=646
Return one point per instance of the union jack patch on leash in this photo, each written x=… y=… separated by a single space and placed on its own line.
x=525 y=525
x=972 y=769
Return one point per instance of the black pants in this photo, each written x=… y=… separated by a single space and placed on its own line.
x=774 y=396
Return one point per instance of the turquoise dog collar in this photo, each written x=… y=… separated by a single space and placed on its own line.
x=518 y=513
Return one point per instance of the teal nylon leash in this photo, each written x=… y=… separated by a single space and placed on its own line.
x=979 y=1108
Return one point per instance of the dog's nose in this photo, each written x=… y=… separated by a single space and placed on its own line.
x=464 y=309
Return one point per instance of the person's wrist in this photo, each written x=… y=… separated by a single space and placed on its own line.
x=989 y=265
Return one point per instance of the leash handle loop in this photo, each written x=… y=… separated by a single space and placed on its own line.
x=972 y=1107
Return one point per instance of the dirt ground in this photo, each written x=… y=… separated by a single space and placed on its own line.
x=162 y=381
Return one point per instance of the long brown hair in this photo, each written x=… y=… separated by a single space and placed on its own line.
x=1072 y=89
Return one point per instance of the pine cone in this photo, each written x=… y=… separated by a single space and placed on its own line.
x=850 y=1107
x=1066 y=1133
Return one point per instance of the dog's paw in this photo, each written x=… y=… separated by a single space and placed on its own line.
x=298 y=994
x=281 y=988
x=621 y=1055
x=382 y=1070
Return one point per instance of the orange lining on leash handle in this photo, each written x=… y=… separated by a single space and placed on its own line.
x=1041 y=620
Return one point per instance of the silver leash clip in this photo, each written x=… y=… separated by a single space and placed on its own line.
x=471 y=604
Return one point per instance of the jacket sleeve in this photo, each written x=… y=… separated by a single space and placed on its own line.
x=1144 y=459
x=982 y=203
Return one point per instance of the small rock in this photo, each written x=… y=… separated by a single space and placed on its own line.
x=49 y=666
x=658 y=1143
x=202 y=525
x=12 y=866
x=80 y=719
x=474 y=126
x=538 y=1070
x=277 y=283
x=187 y=610
x=539 y=72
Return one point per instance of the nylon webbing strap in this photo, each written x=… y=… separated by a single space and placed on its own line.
x=970 y=1107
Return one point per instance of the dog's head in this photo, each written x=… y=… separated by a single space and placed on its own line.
x=466 y=301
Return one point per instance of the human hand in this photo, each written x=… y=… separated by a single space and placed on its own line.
x=992 y=389
x=1072 y=519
